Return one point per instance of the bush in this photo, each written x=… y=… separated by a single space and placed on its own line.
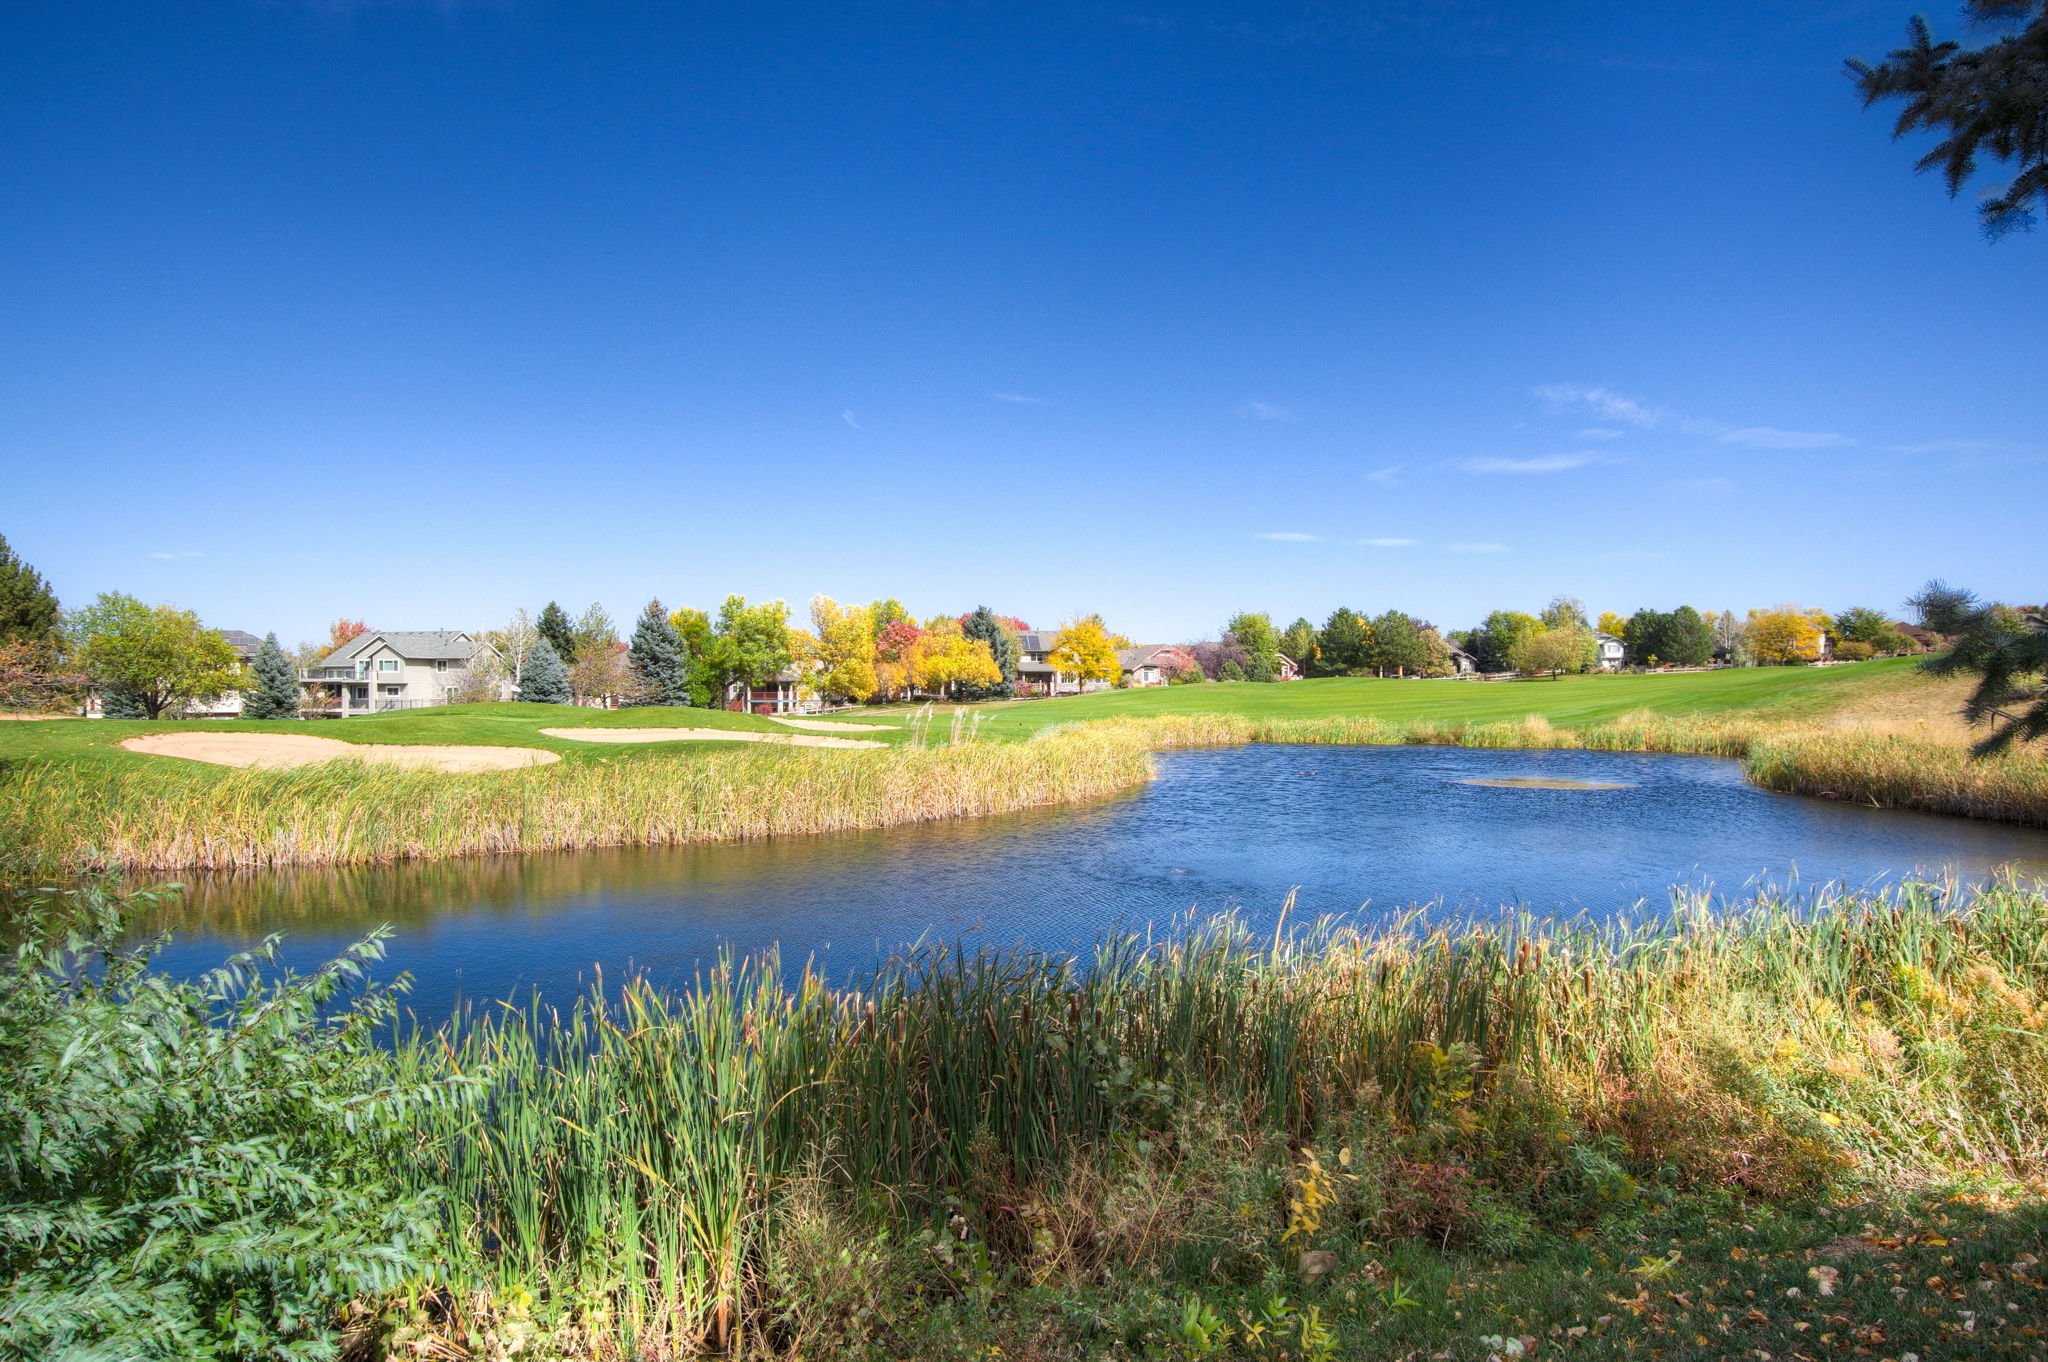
x=1853 y=651
x=205 y=1169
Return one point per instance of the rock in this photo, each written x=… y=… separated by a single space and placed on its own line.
x=1317 y=1264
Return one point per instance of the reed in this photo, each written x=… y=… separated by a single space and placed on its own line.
x=1905 y=773
x=62 y=816
x=640 y=1164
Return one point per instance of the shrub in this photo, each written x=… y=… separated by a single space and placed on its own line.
x=1853 y=651
x=205 y=1169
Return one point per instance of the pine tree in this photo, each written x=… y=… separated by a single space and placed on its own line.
x=543 y=680
x=119 y=702
x=982 y=624
x=554 y=626
x=276 y=694
x=1343 y=644
x=28 y=609
x=656 y=656
x=1230 y=671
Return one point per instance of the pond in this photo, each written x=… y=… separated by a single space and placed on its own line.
x=1356 y=830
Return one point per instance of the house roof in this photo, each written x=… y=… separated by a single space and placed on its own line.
x=1030 y=668
x=1036 y=640
x=416 y=646
x=242 y=642
x=1145 y=654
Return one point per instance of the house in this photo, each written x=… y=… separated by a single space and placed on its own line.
x=1288 y=668
x=1152 y=664
x=1610 y=652
x=227 y=705
x=1462 y=662
x=1036 y=676
x=788 y=693
x=385 y=670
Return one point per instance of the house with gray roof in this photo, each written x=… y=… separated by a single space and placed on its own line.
x=385 y=670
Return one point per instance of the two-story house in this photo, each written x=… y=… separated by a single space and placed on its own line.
x=384 y=670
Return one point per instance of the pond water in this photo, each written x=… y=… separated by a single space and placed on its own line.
x=1356 y=830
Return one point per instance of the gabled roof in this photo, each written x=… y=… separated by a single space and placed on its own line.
x=418 y=646
x=242 y=642
x=1144 y=655
x=1036 y=640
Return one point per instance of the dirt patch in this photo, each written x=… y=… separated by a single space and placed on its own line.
x=38 y=718
x=271 y=750
x=702 y=735
x=1548 y=783
x=831 y=726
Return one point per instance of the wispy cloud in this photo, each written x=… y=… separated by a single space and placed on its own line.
x=1387 y=477
x=1601 y=433
x=1475 y=548
x=1019 y=398
x=179 y=553
x=1542 y=463
x=1390 y=543
x=851 y=420
x=1605 y=402
x=1770 y=437
x=1289 y=537
x=1249 y=410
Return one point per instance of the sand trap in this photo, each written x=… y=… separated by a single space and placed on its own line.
x=701 y=735
x=1548 y=783
x=44 y=718
x=830 y=726
x=290 y=749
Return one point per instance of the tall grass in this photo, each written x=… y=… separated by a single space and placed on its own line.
x=645 y=1159
x=153 y=816
x=1905 y=773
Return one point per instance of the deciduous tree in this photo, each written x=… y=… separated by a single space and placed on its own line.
x=1785 y=635
x=343 y=630
x=28 y=608
x=1397 y=647
x=1254 y=634
x=1083 y=649
x=985 y=626
x=161 y=655
x=845 y=649
x=37 y=678
x=949 y=661
x=748 y=645
x=1491 y=642
x=1298 y=642
x=1611 y=623
x=896 y=658
x=1553 y=651
x=276 y=692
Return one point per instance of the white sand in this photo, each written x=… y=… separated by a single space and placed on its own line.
x=701 y=735
x=830 y=726
x=291 y=749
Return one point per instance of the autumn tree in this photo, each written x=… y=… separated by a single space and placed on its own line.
x=1254 y=633
x=544 y=680
x=37 y=678
x=554 y=626
x=845 y=649
x=342 y=631
x=896 y=658
x=1551 y=651
x=984 y=626
x=949 y=661
x=1566 y=612
x=661 y=669
x=885 y=612
x=1611 y=623
x=276 y=693
x=1436 y=653
x=160 y=655
x=1785 y=635
x=1082 y=649
x=28 y=608
x=2006 y=649
x=1344 y=644
x=1991 y=99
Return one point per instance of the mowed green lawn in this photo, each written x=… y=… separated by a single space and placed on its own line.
x=1573 y=701
x=493 y=725
x=1568 y=702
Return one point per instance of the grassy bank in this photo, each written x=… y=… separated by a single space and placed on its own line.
x=1806 y=1129
x=71 y=798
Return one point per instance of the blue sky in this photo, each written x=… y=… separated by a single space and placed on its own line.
x=421 y=312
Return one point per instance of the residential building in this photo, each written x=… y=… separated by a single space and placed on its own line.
x=1152 y=664
x=384 y=670
x=1612 y=652
x=227 y=705
x=788 y=693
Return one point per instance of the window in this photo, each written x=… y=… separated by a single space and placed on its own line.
x=392 y=690
x=388 y=664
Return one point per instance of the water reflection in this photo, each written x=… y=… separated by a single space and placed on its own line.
x=1373 y=829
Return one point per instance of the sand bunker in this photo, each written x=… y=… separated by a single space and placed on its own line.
x=701 y=735
x=830 y=726
x=1548 y=783
x=42 y=718
x=291 y=749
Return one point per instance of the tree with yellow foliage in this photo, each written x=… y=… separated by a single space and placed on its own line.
x=844 y=651
x=1785 y=635
x=1084 y=649
x=947 y=658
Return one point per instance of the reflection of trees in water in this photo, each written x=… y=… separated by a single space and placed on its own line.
x=412 y=894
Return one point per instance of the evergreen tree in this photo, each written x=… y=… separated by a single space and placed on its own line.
x=1230 y=671
x=1343 y=644
x=554 y=626
x=1397 y=646
x=276 y=694
x=982 y=624
x=119 y=702
x=544 y=680
x=660 y=668
x=28 y=609
x=1688 y=639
